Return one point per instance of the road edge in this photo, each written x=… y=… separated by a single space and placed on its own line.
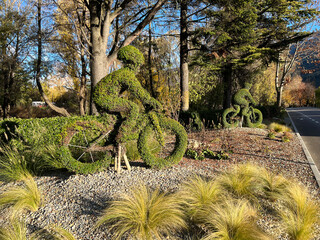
x=313 y=166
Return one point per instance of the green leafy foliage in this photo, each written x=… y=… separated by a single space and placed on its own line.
x=173 y=130
x=131 y=57
x=271 y=134
x=201 y=154
x=37 y=145
x=108 y=92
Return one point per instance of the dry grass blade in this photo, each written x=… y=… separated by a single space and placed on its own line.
x=55 y=232
x=197 y=194
x=26 y=197
x=233 y=220
x=144 y=214
x=299 y=213
x=15 y=230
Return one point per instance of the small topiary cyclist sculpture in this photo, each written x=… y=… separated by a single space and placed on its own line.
x=242 y=100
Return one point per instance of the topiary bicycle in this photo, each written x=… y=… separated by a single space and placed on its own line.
x=88 y=146
x=231 y=117
x=242 y=100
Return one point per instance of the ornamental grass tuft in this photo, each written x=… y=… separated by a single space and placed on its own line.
x=20 y=198
x=198 y=194
x=232 y=220
x=144 y=214
x=13 y=165
x=241 y=181
x=272 y=186
x=55 y=232
x=299 y=213
x=277 y=127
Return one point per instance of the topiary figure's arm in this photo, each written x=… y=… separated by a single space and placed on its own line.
x=133 y=85
x=241 y=95
x=251 y=98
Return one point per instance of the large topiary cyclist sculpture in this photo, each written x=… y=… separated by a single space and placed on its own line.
x=108 y=94
x=242 y=100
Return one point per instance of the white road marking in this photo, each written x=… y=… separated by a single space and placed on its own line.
x=307 y=117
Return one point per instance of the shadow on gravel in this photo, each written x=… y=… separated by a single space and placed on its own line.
x=268 y=156
x=93 y=206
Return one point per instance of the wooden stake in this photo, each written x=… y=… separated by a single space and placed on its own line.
x=119 y=160
x=116 y=163
x=127 y=162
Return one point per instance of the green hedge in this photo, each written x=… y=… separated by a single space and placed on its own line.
x=20 y=133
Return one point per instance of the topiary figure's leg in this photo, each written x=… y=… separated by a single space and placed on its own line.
x=116 y=104
x=229 y=117
x=254 y=118
x=245 y=110
x=174 y=145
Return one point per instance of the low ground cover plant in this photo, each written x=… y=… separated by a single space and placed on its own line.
x=144 y=214
x=227 y=208
x=279 y=128
x=21 y=198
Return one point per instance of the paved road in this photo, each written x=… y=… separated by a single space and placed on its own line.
x=307 y=121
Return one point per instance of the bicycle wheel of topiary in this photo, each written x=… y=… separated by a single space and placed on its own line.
x=86 y=148
x=158 y=155
x=254 y=117
x=230 y=118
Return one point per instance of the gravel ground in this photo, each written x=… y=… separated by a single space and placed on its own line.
x=75 y=201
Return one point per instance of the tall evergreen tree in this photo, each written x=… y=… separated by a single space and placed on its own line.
x=240 y=32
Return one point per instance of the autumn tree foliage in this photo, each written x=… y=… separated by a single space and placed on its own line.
x=299 y=93
x=72 y=21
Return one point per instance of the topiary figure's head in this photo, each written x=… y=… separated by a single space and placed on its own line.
x=247 y=85
x=131 y=57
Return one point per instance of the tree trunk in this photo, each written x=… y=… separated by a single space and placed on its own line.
x=279 y=96
x=101 y=19
x=150 y=62
x=184 y=70
x=98 y=53
x=82 y=92
x=8 y=82
x=278 y=84
x=227 y=80
x=61 y=111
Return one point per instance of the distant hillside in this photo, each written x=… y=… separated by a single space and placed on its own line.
x=310 y=61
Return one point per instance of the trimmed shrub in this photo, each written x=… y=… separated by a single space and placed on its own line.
x=40 y=143
x=171 y=128
x=131 y=57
